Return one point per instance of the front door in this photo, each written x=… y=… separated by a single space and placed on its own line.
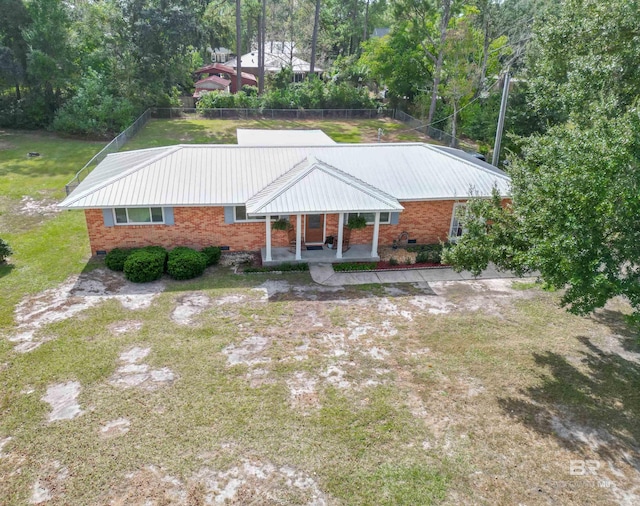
x=314 y=228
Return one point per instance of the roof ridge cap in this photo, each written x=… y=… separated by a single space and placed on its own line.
x=503 y=174
x=128 y=172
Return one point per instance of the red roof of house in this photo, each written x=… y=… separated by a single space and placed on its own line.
x=214 y=79
x=219 y=68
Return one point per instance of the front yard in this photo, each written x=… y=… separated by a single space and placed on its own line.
x=270 y=389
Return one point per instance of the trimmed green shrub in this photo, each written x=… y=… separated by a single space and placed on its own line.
x=186 y=263
x=145 y=264
x=355 y=266
x=213 y=254
x=5 y=250
x=116 y=258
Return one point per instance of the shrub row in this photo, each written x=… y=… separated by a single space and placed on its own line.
x=142 y=265
x=284 y=267
x=355 y=266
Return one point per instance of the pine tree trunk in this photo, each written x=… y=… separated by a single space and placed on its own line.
x=238 y=47
x=444 y=25
x=314 y=38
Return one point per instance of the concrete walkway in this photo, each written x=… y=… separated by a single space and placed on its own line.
x=324 y=274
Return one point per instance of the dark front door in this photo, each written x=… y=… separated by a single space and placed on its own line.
x=314 y=228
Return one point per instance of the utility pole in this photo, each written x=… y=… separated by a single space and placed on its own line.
x=503 y=110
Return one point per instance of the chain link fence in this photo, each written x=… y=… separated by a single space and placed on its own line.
x=287 y=114
x=433 y=133
x=114 y=146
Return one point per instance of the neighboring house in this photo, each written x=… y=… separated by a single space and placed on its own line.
x=221 y=55
x=211 y=83
x=273 y=63
x=380 y=32
x=227 y=73
x=228 y=195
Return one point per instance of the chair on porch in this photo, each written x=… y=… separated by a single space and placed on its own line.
x=345 y=240
x=291 y=235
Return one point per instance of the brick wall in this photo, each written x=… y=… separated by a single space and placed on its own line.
x=427 y=222
x=195 y=227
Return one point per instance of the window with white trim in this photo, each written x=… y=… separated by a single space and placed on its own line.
x=138 y=215
x=240 y=215
x=457 y=222
x=385 y=218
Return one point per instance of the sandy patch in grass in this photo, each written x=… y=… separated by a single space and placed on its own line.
x=189 y=306
x=302 y=392
x=125 y=327
x=132 y=373
x=75 y=295
x=250 y=482
x=63 y=399
x=49 y=484
x=248 y=352
x=3 y=443
x=32 y=207
x=114 y=428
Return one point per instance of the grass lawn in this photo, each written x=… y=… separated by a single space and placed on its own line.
x=269 y=389
x=162 y=132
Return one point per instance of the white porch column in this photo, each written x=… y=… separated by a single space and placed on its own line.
x=298 y=237
x=268 y=248
x=376 y=232
x=340 y=235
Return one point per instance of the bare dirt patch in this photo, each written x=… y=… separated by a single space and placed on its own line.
x=132 y=373
x=43 y=207
x=189 y=306
x=250 y=482
x=248 y=352
x=125 y=327
x=302 y=392
x=73 y=296
x=50 y=483
x=114 y=428
x=63 y=399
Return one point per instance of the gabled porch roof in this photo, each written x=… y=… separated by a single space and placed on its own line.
x=313 y=186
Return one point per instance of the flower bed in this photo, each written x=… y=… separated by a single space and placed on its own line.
x=383 y=266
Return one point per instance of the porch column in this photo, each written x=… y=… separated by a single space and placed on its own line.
x=340 y=235
x=268 y=248
x=376 y=232
x=298 y=237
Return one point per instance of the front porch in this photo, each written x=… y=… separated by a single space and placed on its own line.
x=356 y=253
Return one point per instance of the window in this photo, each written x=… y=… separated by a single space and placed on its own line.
x=241 y=215
x=138 y=215
x=385 y=218
x=457 y=222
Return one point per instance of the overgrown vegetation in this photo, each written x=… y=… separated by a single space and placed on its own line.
x=427 y=253
x=309 y=94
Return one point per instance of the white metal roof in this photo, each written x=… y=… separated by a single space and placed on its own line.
x=215 y=175
x=314 y=187
x=257 y=137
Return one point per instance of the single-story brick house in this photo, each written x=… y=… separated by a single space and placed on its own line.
x=228 y=195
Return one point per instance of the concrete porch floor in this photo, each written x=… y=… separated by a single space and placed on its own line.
x=356 y=253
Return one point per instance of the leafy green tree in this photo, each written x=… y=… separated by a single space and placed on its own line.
x=574 y=214
x=94 y=110
x=583 y=61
